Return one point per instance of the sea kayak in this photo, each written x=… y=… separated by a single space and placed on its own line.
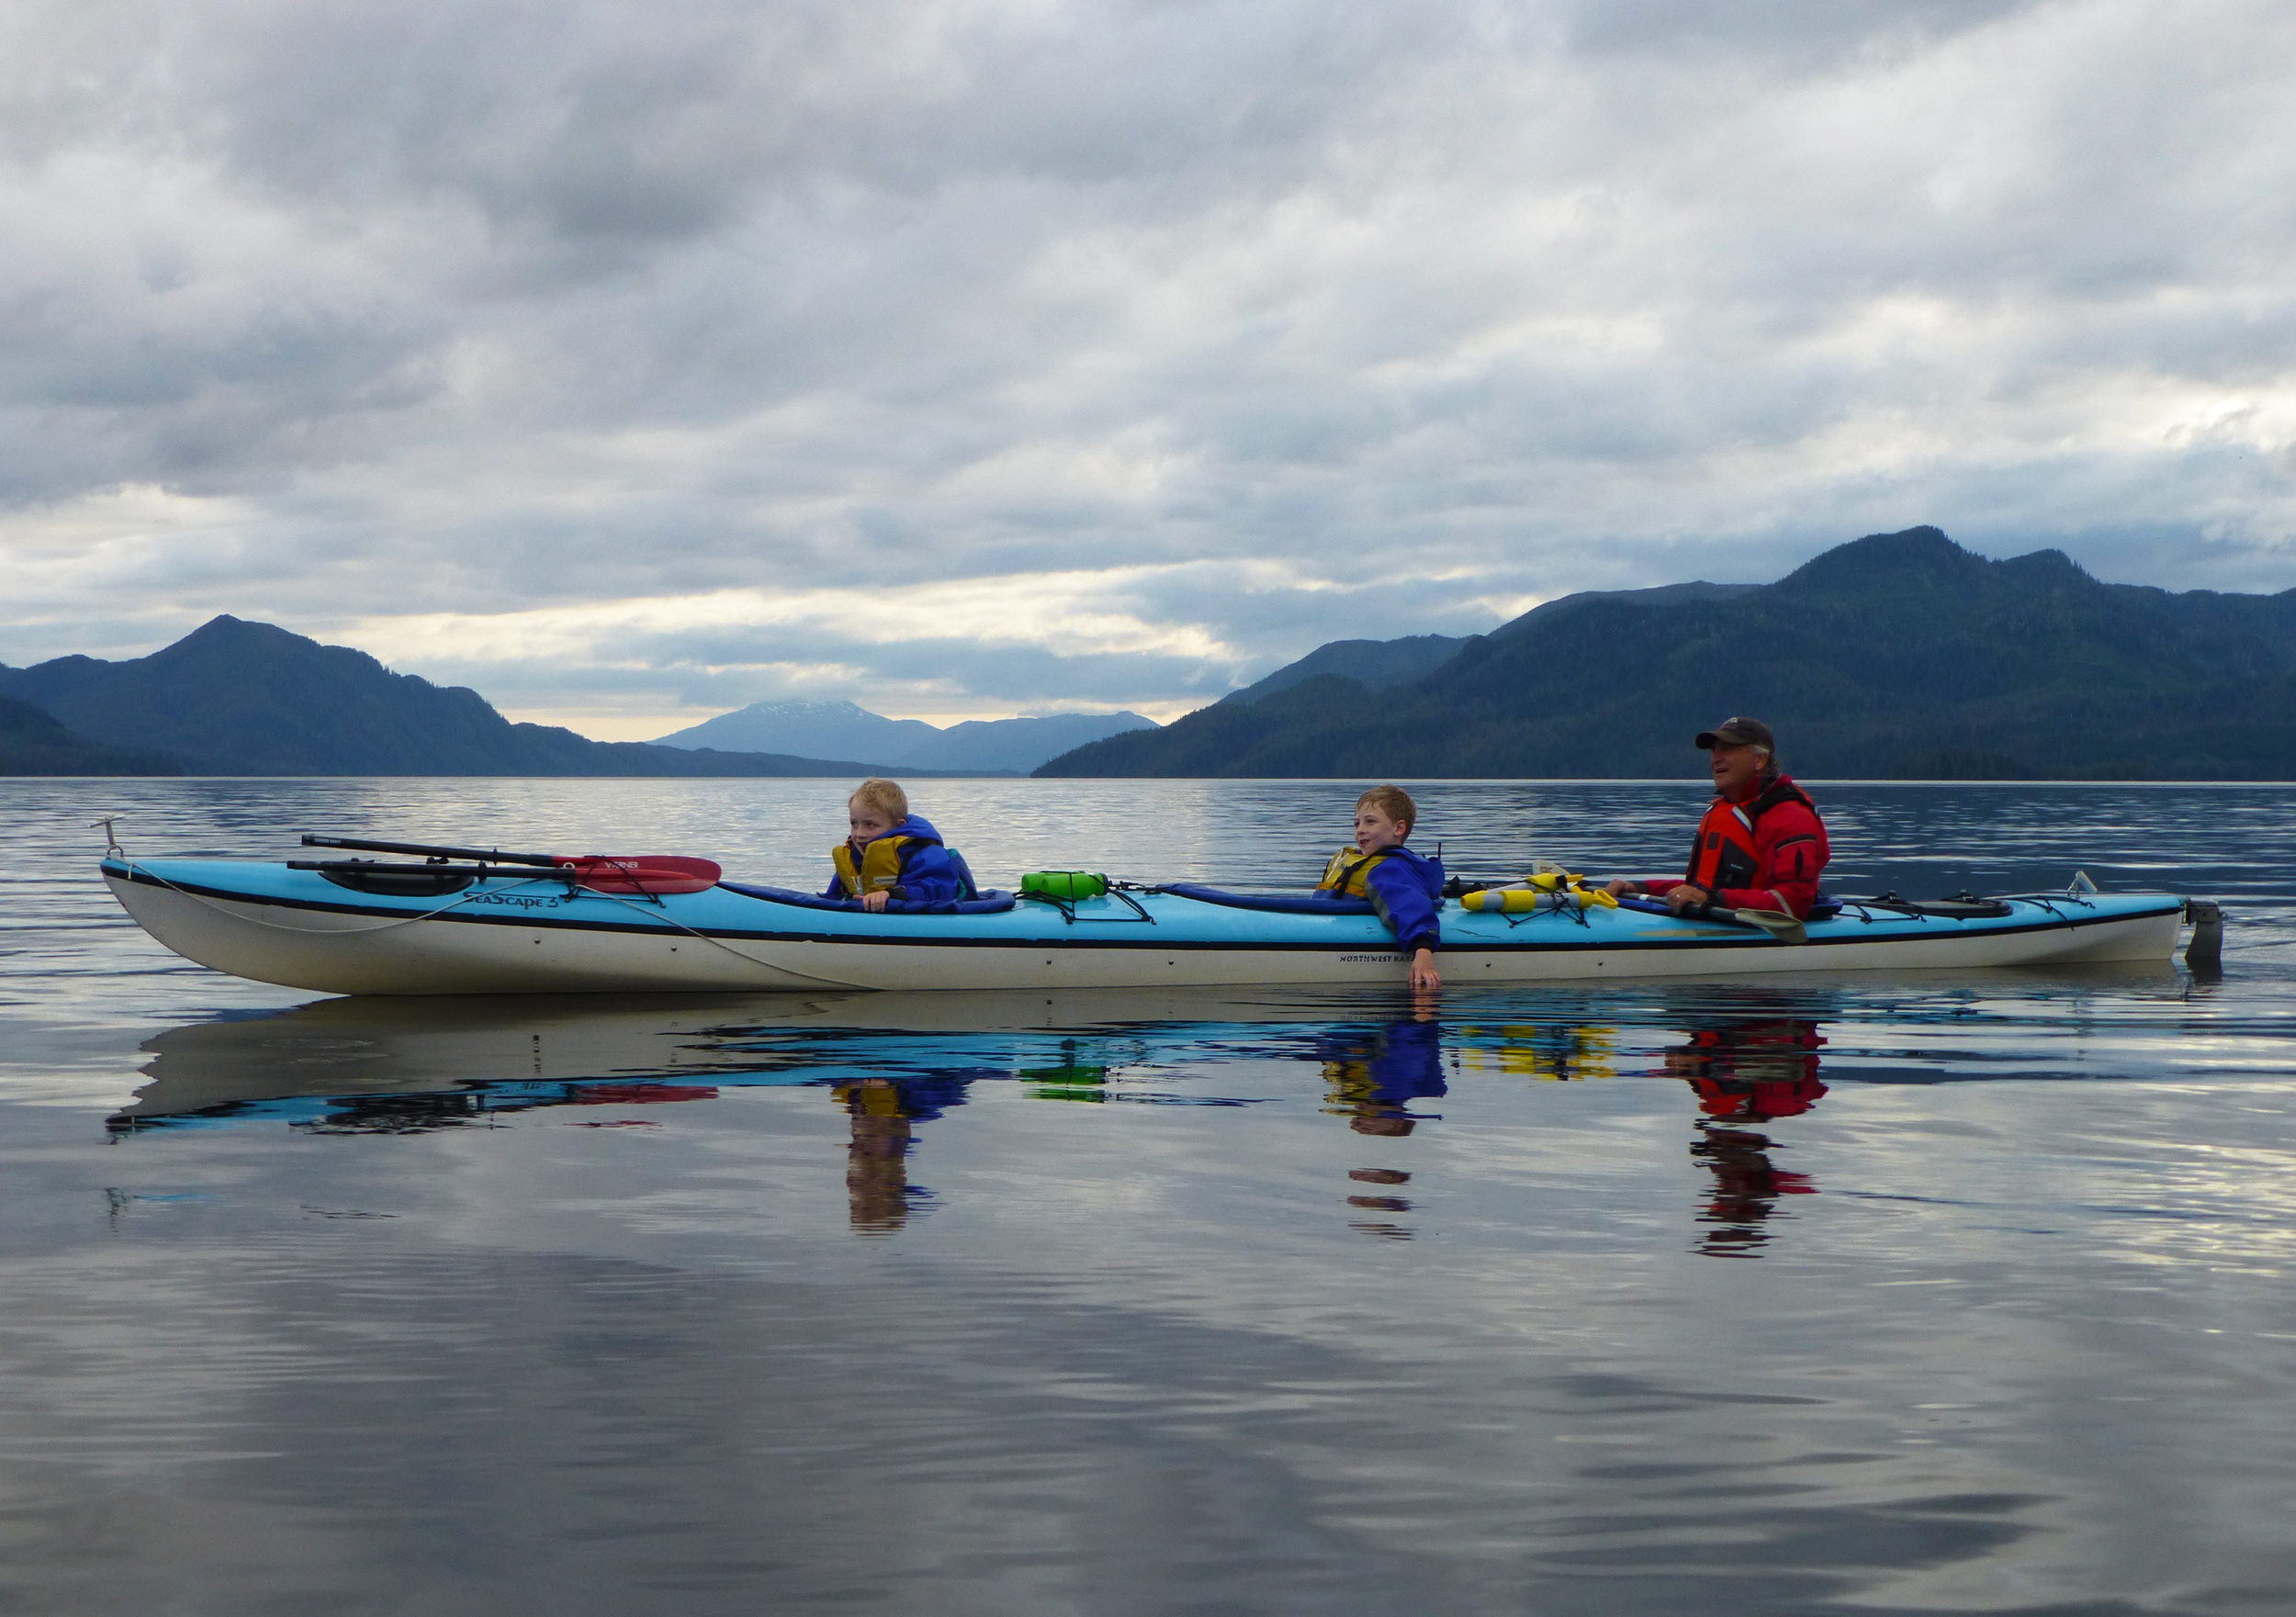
x=511 y=931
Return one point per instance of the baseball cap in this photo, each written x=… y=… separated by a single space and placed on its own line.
x=1737 y=733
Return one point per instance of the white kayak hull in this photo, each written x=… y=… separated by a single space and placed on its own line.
x=271 y=924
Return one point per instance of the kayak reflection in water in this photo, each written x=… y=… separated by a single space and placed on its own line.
x=1373 y=1081
x=885 y=1110
x=1747 y=1073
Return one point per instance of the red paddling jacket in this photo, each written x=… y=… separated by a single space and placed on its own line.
x=1766 y=853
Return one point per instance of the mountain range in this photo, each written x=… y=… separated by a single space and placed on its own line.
x=988 y=745
x=234 y=697
x=1898 y=655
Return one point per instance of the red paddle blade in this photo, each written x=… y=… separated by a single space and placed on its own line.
x=642 y=872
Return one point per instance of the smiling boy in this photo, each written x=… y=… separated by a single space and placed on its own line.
x=1405 y=889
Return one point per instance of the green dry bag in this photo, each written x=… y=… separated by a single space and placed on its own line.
x=1068 y=884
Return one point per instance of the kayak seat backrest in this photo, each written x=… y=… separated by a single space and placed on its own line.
x=1281 y=903
x=988 y=904
x=965 y=873
x=642 y=872
x=1948 y=909
x=1965 y=909
x=1824 y=907
x=400 y=881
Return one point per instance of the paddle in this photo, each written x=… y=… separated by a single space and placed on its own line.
x=1781 y=926
x=475 y=872
x=483 y=855
x=647 y=875
x=1777 y=923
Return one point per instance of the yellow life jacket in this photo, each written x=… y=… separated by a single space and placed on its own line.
x=1344 y=876
x=869 y=1100
x=879 y=864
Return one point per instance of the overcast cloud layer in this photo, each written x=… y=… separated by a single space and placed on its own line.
x=633 y=362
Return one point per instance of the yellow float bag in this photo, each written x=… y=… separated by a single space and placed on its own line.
x=1503 y=898
x=1549 y=887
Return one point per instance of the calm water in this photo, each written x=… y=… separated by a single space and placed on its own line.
x=1919 y=1293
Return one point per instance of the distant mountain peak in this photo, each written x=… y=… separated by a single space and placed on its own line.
x=2042 y=563
x=224 y=626
x=1920 y=558
x=993 y=745
x=226 y=635
x=809 y=707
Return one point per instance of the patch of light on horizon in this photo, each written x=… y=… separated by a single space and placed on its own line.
x=1029 y=609
x=631 y=725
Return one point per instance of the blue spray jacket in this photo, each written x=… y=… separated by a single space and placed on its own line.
x=909 y=862
x=1406 y=890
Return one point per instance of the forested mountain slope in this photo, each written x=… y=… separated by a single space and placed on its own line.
x=235 y=698
x=1899 y=655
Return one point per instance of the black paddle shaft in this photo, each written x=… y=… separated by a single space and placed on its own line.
x=475 y=872
x=483 y=855
x=1689 y=912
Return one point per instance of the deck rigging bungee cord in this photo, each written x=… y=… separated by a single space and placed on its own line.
x=662 y=912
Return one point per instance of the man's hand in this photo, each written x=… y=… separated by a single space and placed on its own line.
x=1618 y=887
x=874 y=901
x=1423 y=975
x=1679 y=899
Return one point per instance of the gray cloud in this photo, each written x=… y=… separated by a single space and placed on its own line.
x=373 y=311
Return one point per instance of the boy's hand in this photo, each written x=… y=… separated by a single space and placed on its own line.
x=1423 y=975
x=874 y=901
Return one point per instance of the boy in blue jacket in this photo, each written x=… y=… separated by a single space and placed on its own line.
x=1403 y=888
x=892 y=853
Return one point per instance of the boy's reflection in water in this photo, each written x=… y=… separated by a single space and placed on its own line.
x=1747 y=1073
x=1373 y=1079
x=884 y=1110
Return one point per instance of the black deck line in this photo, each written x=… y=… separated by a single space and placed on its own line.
x=1721 y=940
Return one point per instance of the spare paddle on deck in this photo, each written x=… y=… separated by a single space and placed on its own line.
x=644 y=875
x=475 y=872
x=1781 y=926
x=1777 y=923
x=483 y=855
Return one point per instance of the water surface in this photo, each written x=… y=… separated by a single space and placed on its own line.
x=1924 y=1292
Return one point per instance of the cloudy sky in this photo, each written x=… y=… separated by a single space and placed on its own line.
x=630 y=361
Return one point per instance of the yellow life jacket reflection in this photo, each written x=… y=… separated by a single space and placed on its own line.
x=1560 y=1053
x=884 y=1111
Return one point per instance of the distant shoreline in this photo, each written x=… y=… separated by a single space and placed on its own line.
x=1817 y=781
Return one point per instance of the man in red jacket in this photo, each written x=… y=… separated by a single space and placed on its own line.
x=1761 y=845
